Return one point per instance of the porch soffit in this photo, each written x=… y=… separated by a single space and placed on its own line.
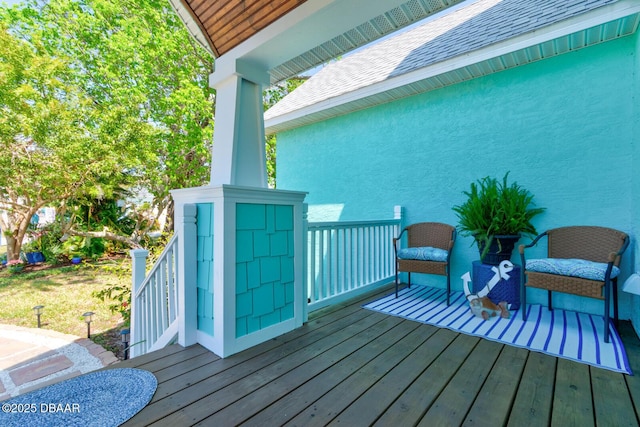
x=607 y=21
x=227 y=23
x=221 y=26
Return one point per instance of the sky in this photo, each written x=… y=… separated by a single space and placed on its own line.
x=10 y=2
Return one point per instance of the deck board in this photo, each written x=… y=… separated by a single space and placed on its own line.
x=384 y=378
x=458 y=396
x=351 y=366
x=534 y=398
x=494 y=401
x=447 y=350
x=609 y=406
x=572 y=404
x=177 y=369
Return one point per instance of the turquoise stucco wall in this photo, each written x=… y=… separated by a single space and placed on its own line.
x=634 y=301
x=564 y=127
x=204 y=277
x=264 y=266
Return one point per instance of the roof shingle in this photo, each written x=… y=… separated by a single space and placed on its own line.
x=455 y=32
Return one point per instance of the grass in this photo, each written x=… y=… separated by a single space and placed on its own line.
x=65 y=292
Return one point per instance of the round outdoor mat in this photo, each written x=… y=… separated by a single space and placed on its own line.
x=102 y=398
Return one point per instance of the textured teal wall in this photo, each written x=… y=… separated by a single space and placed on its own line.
x=204 y=281
x=635 y=201
x=564 y=127
x=264 y=266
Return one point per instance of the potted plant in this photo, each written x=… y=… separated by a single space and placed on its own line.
x=33 y=250
x=496 y=214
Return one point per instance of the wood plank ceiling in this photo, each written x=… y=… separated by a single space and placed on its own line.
x=227 y=23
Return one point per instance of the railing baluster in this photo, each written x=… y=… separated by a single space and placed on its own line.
x=327 y=264
x=147 y=315
x=379 y=248
x=376 y=250
x=370 y=254
x=348 y=268
x=342 y=261
x=163 y=302
x=334 y=261
x=372 y=261
x=386 y=238
x=313 y=290
x=153 y=306
x=171 y=286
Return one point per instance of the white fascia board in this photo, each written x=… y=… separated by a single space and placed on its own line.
x=594 y=18
x=305 y=27
x=192 y=26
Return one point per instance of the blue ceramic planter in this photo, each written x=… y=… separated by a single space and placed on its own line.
x=34 y=257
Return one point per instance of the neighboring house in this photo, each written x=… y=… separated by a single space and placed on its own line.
x=547 y=90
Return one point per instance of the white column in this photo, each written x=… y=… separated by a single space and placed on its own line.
x=138 y=267
x=398 y=213
x=186 y=274
x=238 y=154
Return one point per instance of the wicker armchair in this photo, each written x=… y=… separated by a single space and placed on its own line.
x=426 y=235
x=597 y=244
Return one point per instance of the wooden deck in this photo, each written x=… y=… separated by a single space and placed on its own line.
x=356 y=367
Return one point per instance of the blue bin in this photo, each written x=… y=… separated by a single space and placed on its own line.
x=505 y=290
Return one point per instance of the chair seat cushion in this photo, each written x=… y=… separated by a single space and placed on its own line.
x=571 y=267
x=425 y=253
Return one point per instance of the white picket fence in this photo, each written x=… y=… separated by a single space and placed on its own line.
x=345 y=257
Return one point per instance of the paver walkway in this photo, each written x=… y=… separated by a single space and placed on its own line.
x=32 y=358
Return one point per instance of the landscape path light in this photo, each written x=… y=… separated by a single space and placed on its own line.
x=124 y=334
x=88 y=317
x=38 y=312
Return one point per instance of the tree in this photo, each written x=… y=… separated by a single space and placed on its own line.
x=123 y=100
x=271 y=96
x=100 y=95
x=54 y=146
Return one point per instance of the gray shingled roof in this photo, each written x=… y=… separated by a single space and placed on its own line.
x=456 y=32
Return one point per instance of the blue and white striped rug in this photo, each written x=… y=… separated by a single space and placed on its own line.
x=560 y=333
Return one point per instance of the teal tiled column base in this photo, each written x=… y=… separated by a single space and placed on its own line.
x=264 y=266
x=204 y=282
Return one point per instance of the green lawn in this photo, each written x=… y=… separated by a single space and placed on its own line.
x=65 y=292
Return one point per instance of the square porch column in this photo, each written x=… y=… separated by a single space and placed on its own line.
x=249 y=282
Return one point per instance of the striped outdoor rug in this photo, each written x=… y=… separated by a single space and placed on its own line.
x=560 y=333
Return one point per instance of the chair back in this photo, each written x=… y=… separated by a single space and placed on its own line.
x=434 y=234
x=585 y=242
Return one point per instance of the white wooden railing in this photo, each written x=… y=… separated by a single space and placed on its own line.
x=154 y=308
x=346 y=257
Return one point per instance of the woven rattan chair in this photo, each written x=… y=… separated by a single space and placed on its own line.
x=597 y=244
x=421 y=235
